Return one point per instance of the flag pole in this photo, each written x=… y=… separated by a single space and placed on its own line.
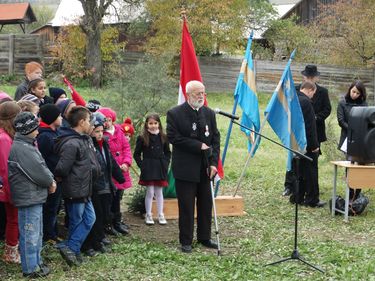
x=260 y=131
x=229 y=132
x=250 y=154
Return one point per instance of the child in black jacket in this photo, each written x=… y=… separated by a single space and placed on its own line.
x=103 y=189
x=152 y=154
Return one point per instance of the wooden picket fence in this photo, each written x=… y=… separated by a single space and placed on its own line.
x=17 y=50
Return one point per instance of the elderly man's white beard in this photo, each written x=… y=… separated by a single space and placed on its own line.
x=196 y=104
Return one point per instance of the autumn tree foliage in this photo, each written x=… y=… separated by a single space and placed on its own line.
x=70 y=52
x=345 y=32
x=215 y=26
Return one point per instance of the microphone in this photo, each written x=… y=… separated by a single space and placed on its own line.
x=226 y=114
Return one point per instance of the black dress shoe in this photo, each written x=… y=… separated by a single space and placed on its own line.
x=320 y=204
x=101 y=248
x=121 y=229
x=106 y=241
x=208 y=243
x=287 y=192
x=111 y=231
x=126 y=226
x=186 y=248
x=90 y=252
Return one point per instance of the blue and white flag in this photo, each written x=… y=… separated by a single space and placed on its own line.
x=284 y=114
x=245 y=93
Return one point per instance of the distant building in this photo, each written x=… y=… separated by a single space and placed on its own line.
x=307 y=10
x=69 y=12
x=16 y=13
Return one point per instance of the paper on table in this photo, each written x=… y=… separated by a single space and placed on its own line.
x=344 y=146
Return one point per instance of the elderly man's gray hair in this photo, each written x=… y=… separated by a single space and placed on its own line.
x=193 y=84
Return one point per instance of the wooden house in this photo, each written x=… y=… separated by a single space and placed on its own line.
x=16 y=13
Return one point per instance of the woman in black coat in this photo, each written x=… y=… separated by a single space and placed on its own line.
x=356 y=96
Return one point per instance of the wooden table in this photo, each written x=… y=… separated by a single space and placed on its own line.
x=358 y=177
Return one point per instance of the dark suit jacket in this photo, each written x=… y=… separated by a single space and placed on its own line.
x=310 y=123
x=322 y=109
x=187 y=129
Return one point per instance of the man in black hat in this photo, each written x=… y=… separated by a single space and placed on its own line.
x=322 y=109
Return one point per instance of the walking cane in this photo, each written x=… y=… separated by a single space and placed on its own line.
x=215 y=215
x=207 y=155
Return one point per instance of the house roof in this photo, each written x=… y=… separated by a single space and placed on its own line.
x=281 y=7
x=16 y=13
x=70 y=11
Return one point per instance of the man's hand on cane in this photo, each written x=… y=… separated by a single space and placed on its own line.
x=213 y=172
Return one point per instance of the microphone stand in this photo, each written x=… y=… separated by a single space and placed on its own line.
x=298 y=155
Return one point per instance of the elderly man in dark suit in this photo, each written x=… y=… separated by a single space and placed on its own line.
x=192 y=130
x=322 y=109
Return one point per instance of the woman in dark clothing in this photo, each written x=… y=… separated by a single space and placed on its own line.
x=356 y=96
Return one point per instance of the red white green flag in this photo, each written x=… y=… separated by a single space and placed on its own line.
x=189 y=70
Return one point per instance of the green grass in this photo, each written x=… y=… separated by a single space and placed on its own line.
x=346 y=251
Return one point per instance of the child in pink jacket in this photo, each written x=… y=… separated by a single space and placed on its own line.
x=8 y=111
x=120 y=150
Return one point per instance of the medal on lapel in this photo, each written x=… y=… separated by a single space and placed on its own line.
x=207 y=133
x=194 y=126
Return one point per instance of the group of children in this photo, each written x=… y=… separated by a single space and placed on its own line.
x=55 y=148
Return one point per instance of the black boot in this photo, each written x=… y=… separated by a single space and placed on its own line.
x=118 y=226
x=109 y=229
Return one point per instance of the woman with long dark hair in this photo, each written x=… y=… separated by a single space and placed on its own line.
x=355 y=96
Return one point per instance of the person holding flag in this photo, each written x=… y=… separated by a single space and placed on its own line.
x=192 y=130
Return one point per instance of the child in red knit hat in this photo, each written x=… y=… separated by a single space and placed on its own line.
x=127 y=128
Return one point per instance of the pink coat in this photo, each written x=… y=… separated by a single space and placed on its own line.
x=120 y=150
x=5 y=145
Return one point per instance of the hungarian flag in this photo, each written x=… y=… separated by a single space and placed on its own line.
x=189 y=70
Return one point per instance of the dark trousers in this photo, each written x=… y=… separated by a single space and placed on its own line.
x=187 y=192
x=102 y=207
x=308 y=192
x=3 y=220
x=50 y=212
x=116 y=206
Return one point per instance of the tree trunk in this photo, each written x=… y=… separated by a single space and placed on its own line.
x=94 y=57
x=91 y=26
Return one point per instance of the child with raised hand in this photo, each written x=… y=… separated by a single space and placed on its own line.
x=152 y=154
x=30 y=181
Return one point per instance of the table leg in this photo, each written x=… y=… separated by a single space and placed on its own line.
x=333 y=209
x=347 y=203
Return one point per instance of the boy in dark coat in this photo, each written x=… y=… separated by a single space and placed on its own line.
x=48 y=131
x=103 y=189
x=76 y=169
